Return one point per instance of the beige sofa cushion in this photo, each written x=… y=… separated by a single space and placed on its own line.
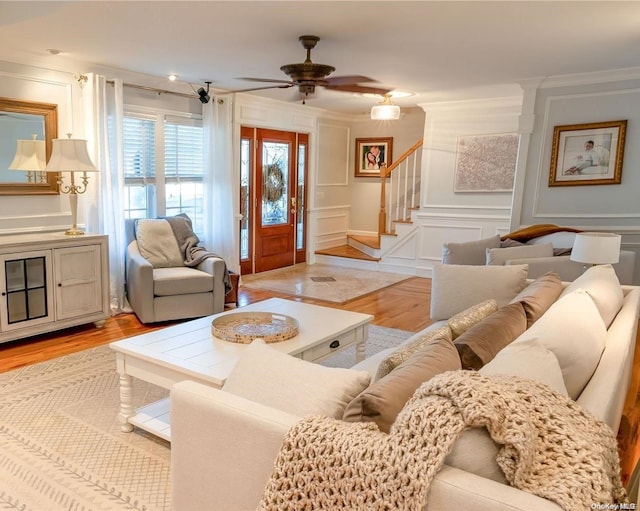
x=538 y=296
x=574 y=331
x=157 y=243
x=463 y=321
x=382 y=400
x=499 y=256
x=270 y=377
x=456 y=287
x=469 y=252
x=409 y=347
x=478 y=345
x=603 y=286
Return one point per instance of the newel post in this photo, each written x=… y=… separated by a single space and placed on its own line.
x=382 y=215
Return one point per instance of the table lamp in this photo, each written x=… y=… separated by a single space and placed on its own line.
x=71 y=155
x=591 y=248
x=31 y=156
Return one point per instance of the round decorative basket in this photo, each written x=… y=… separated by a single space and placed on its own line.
x=244 y=327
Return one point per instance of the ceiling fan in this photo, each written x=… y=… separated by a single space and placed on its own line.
x=308 y=75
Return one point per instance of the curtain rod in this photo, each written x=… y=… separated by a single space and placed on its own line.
x=153 y=89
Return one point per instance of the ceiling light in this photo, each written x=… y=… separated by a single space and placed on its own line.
x=173 y=78
x=385 y=111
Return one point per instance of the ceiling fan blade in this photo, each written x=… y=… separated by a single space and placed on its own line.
x=359 y=88
x=265 y=80
x=283 y=86
x=347 y=80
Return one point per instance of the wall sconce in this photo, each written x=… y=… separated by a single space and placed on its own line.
x=71 y=155
x=591 y=248
x=385 y=111
x=31 y=156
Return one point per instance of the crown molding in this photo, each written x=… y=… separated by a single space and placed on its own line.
x=614 y=75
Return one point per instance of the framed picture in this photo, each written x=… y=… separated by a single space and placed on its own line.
x=486 y=163
x=587 y=154
x=371 y=153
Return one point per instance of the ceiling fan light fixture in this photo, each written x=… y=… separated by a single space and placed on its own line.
x=385 y=111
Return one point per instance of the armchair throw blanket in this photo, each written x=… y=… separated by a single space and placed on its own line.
x=535 y=231
x=188 y=243
x=551 y=447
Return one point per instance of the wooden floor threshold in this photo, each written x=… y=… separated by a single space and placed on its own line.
x=348 y=252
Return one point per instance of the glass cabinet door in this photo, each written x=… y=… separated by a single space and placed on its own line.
x=24 y=289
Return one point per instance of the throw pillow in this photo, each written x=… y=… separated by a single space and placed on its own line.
x=157 y=243
x=382 y=400
x=603 y=286
x=574 y=331
x=468 y=252
x=456 y=287
x=478 y=345
x=499 y=256
x=560 y=239
x=409 y=347
x=538 y=296
x=528 y=359
x=508 y=242
x=267 y=376
x=463 y=321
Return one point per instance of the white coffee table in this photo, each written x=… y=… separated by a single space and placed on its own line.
x=189 y=351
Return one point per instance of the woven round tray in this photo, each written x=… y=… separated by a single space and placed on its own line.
x=244 y=327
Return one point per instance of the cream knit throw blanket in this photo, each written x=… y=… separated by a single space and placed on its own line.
x=551 y=448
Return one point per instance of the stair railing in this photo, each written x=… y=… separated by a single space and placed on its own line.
x=402 y=193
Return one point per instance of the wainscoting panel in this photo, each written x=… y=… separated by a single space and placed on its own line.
x=330 y=227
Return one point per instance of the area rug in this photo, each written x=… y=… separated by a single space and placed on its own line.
x=322 y=281
x=61 y=448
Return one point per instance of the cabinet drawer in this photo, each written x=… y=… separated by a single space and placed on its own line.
x=333 y=345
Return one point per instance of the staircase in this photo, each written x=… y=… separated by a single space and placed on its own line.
x=398 y=200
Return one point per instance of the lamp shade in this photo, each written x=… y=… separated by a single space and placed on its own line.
x=30 y=155
x=596 y=248
x=70 y=155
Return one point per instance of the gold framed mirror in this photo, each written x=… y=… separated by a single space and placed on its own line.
x=20 y=120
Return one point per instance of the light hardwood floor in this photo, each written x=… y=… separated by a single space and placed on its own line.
x=404 y=306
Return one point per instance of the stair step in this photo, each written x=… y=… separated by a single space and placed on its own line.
x=369 y=241
x=347 y=251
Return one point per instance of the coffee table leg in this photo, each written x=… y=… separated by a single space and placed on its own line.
x=360 y=349
x=126 y=403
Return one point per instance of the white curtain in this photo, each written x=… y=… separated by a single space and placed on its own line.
x=104 y=113
x=221 y=190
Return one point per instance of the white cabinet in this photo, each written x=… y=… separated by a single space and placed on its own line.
x=52 y=281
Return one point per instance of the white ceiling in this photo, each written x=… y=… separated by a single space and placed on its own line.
x=430 y=48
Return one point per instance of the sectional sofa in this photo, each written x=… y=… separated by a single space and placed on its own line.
x=577 y=338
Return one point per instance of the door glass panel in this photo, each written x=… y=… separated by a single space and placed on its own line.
x=302 y=149
x=17 y=306
x=35 y=272
x=245 y=168
x=275 y=198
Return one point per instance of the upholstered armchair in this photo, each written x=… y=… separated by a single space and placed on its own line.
x=160 y=287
